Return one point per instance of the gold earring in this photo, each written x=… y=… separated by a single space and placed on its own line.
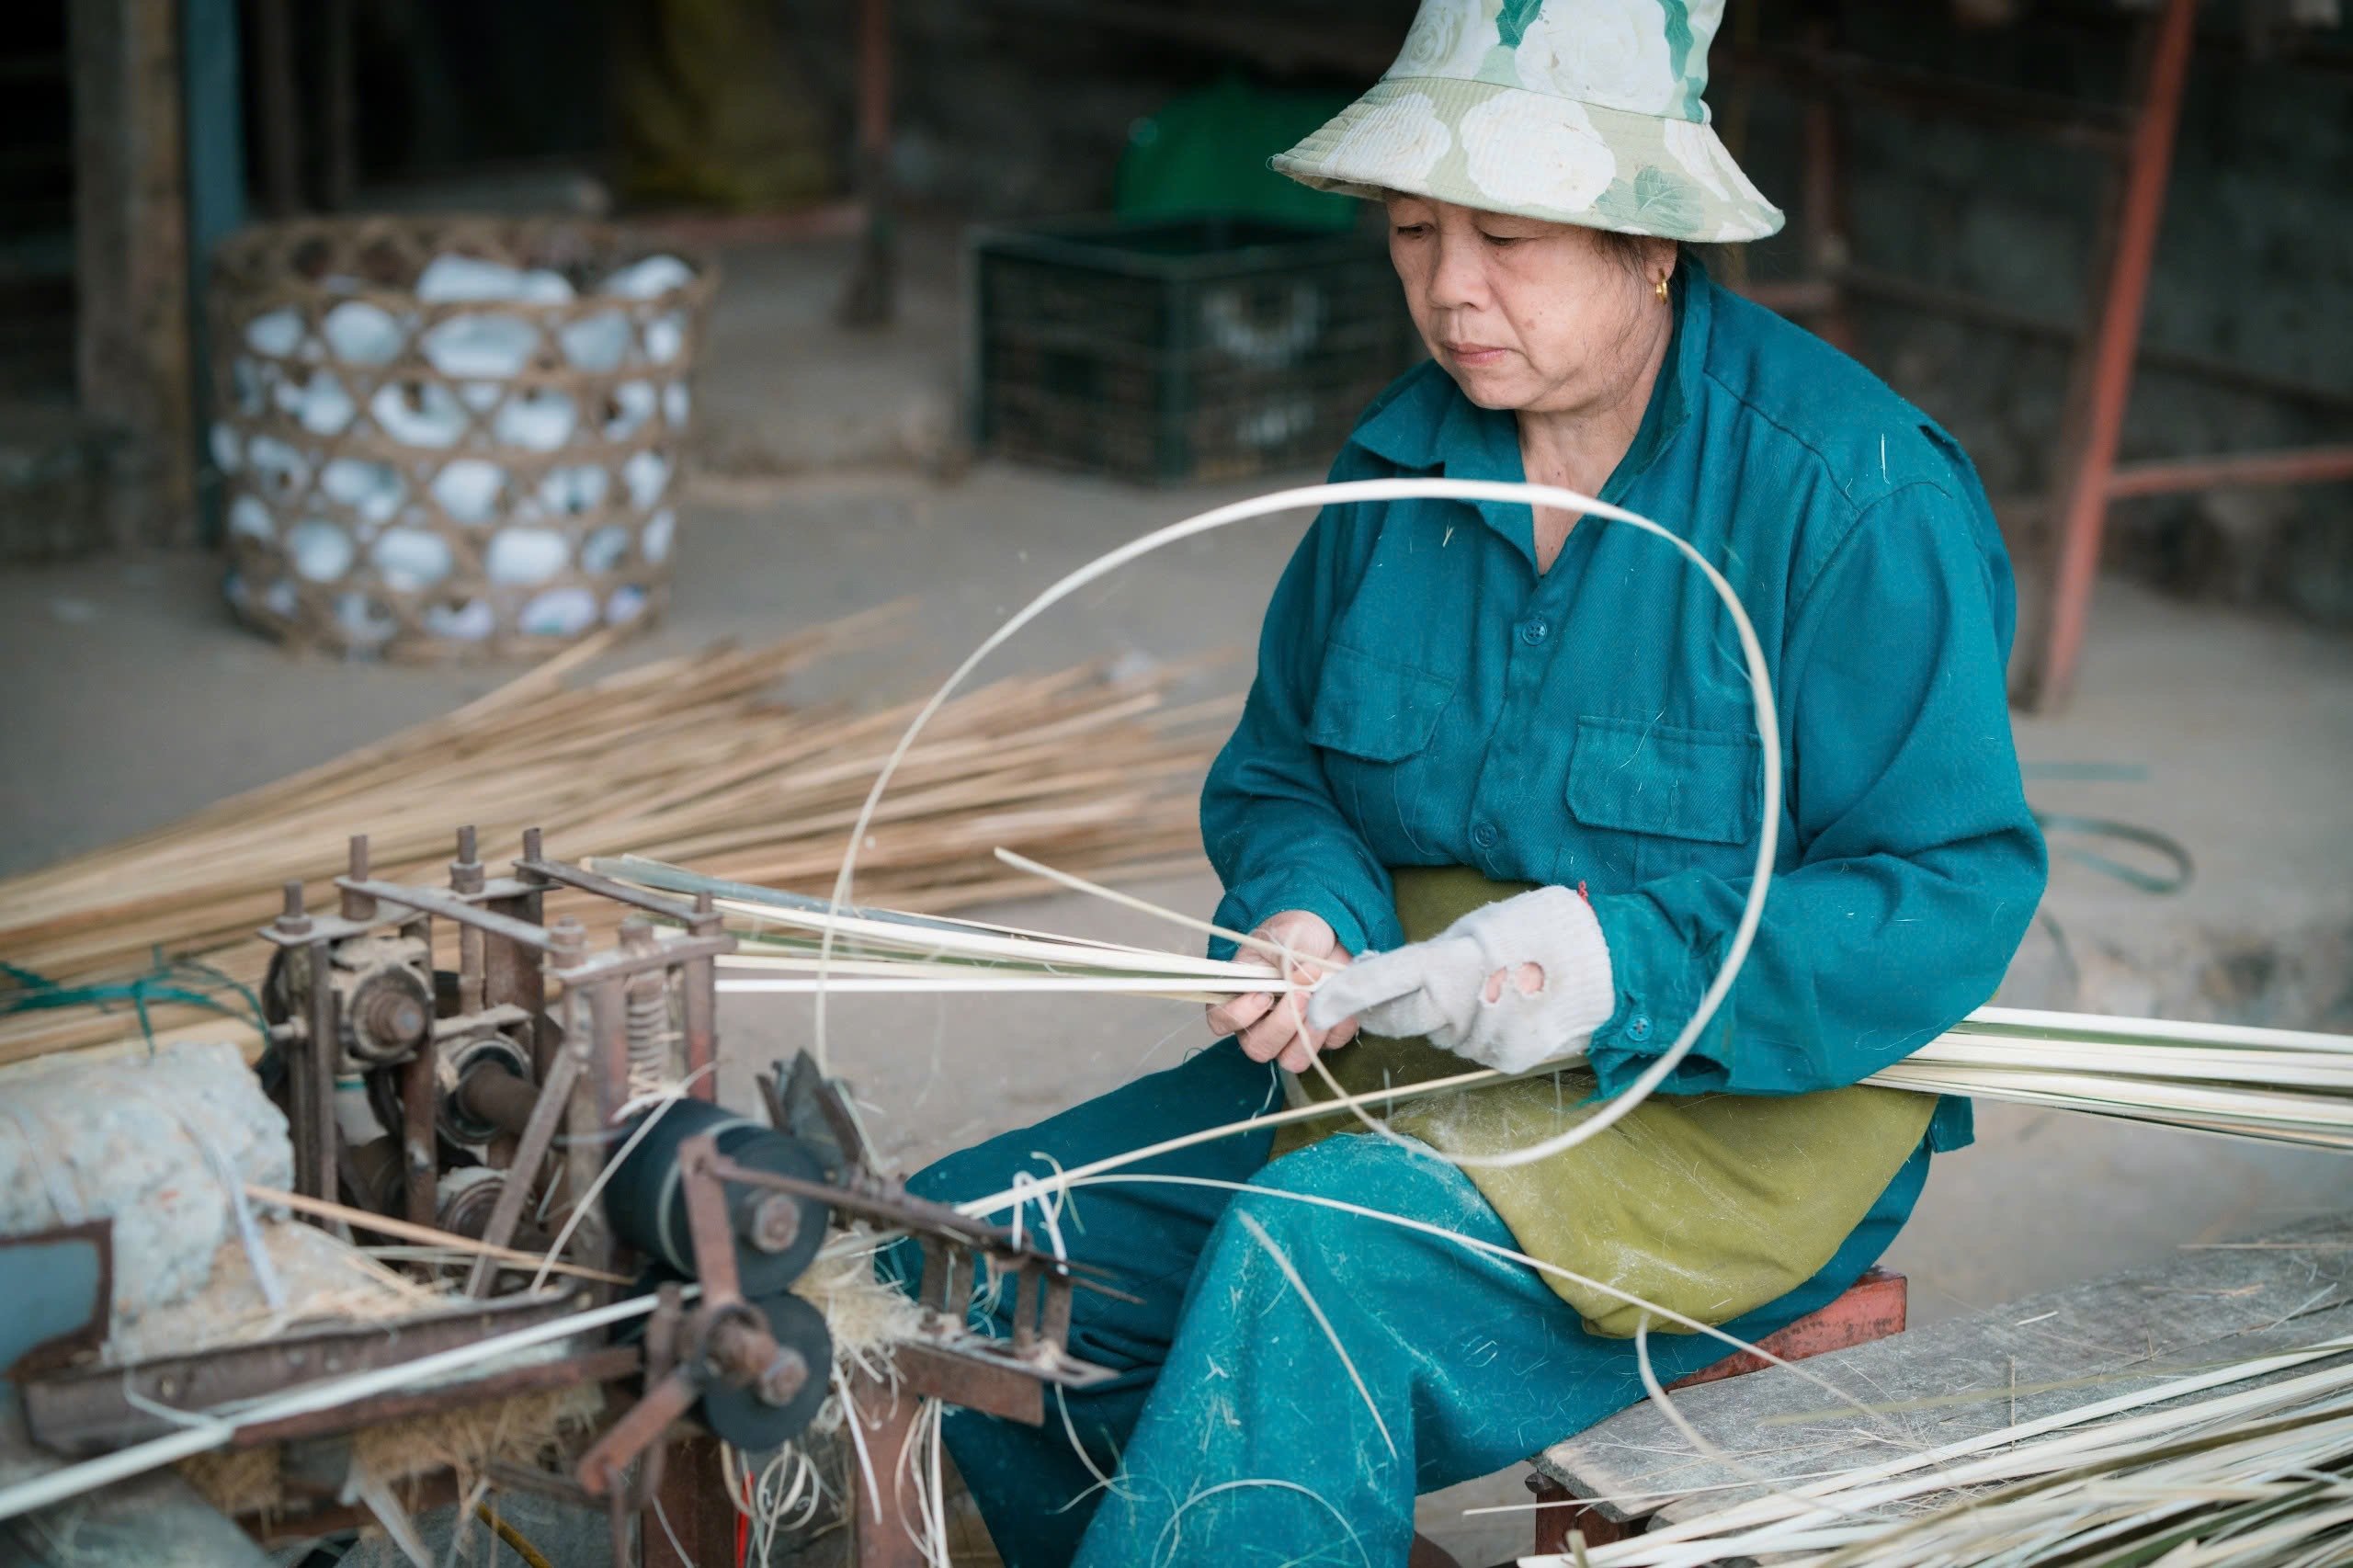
x=1659 y=288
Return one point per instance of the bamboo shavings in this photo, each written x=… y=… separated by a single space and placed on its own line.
x=2201 y=1470
x=691 y=758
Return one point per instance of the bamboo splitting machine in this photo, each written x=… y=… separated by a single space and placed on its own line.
x=541 y=1073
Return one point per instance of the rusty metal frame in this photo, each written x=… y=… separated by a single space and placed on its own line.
x=2104 y=381
x=91 y=1410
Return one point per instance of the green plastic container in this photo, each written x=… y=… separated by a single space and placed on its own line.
x=1175 y=349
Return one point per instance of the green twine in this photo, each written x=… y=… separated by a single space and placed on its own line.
x=2178 y=867
x=184 y=981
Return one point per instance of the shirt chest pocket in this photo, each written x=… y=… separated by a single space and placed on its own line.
x=1657 y=799
x=1373 y=720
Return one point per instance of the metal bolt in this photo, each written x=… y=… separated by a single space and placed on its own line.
x=784 y=1378
x=293 y=920
x=774 y=1222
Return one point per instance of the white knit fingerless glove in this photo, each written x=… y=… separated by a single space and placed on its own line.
x=1438 y=988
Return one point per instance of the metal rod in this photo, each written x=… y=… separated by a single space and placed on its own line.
x=606 y=887
x=324 y=1051
x=420 y=1145
x=698 y=1008
x=539 y=1133
x=2309 y=465
x=607 y=1045
x=357 y=904
x=428 y=900
x=2080 y=504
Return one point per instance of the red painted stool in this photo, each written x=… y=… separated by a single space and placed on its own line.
x=1872 y=1309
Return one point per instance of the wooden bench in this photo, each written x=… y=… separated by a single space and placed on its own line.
x=2023 y=1360
x=1872 y=1309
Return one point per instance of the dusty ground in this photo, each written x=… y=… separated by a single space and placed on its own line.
x=129 y=697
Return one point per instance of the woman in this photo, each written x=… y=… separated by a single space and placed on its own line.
x=1514 y=756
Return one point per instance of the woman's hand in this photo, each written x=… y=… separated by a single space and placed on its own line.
x=1510 y=985
x=1273 y=1026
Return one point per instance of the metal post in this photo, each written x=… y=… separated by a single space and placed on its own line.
x=281 y=104
x=699 y=1007
x=866 y=301
x=2080 y=495
x=1826 y=247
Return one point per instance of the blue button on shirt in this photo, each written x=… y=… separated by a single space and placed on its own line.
x=1421 y=683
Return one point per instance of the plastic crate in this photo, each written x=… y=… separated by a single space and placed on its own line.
x=1176 y=349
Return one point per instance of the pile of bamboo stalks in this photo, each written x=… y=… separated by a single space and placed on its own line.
x=2247 y=1465
x=692 y=758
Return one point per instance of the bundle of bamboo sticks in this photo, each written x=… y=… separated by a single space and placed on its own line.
x=2249 y=1465
x=2282 y=1085
x=692 y=757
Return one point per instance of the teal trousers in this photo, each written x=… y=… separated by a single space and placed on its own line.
x=1232 y=1432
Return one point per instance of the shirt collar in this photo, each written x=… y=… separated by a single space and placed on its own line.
x=1430 y=426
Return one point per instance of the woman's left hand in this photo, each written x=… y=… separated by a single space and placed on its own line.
x=1273 y=1025
x=1510 y=985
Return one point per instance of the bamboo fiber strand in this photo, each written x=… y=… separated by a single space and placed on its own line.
x=689 y=757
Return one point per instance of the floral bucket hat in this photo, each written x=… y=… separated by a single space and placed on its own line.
x=1578 y=111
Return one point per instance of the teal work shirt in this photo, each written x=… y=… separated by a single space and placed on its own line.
x=1425 y=696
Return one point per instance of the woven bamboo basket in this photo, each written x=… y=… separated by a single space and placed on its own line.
x=451 y=437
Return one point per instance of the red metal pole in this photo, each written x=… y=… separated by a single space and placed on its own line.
x=2081 y=499
x=867 y=301
x=2309 y=465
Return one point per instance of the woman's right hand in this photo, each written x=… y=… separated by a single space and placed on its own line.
x=1273 y=1026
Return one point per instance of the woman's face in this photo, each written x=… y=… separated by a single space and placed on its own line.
x=1526 y=315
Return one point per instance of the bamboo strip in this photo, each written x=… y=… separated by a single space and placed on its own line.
x=685 y=757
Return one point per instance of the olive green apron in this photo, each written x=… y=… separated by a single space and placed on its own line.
x=1710 y=1204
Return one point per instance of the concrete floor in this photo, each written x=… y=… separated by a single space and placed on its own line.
x=127 y=697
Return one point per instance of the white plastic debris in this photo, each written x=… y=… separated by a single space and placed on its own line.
x=541 y=420
x=360 y=334
x=319 y=550
x=649 y=278
x=279 y=467
x=247 y=386
x=481 y=343
x=575 y=488
x=276 y=334
x=469 y=489
x=632 y=404
x=526 y=555
x=656 y=542
x=468 y=278
x=597 y=342
x=365 y=622
x=626 y=605
x=372 y=490
x=605 y=549
x=251 y=518
x=559 y=612
x=647 y=474
x=469 y=623
x=411 y=559
x=666 y=337
x=418 y=413
x=325 y=407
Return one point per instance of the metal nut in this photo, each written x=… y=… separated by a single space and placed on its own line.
x=784 y=1378
x=774 y=1222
